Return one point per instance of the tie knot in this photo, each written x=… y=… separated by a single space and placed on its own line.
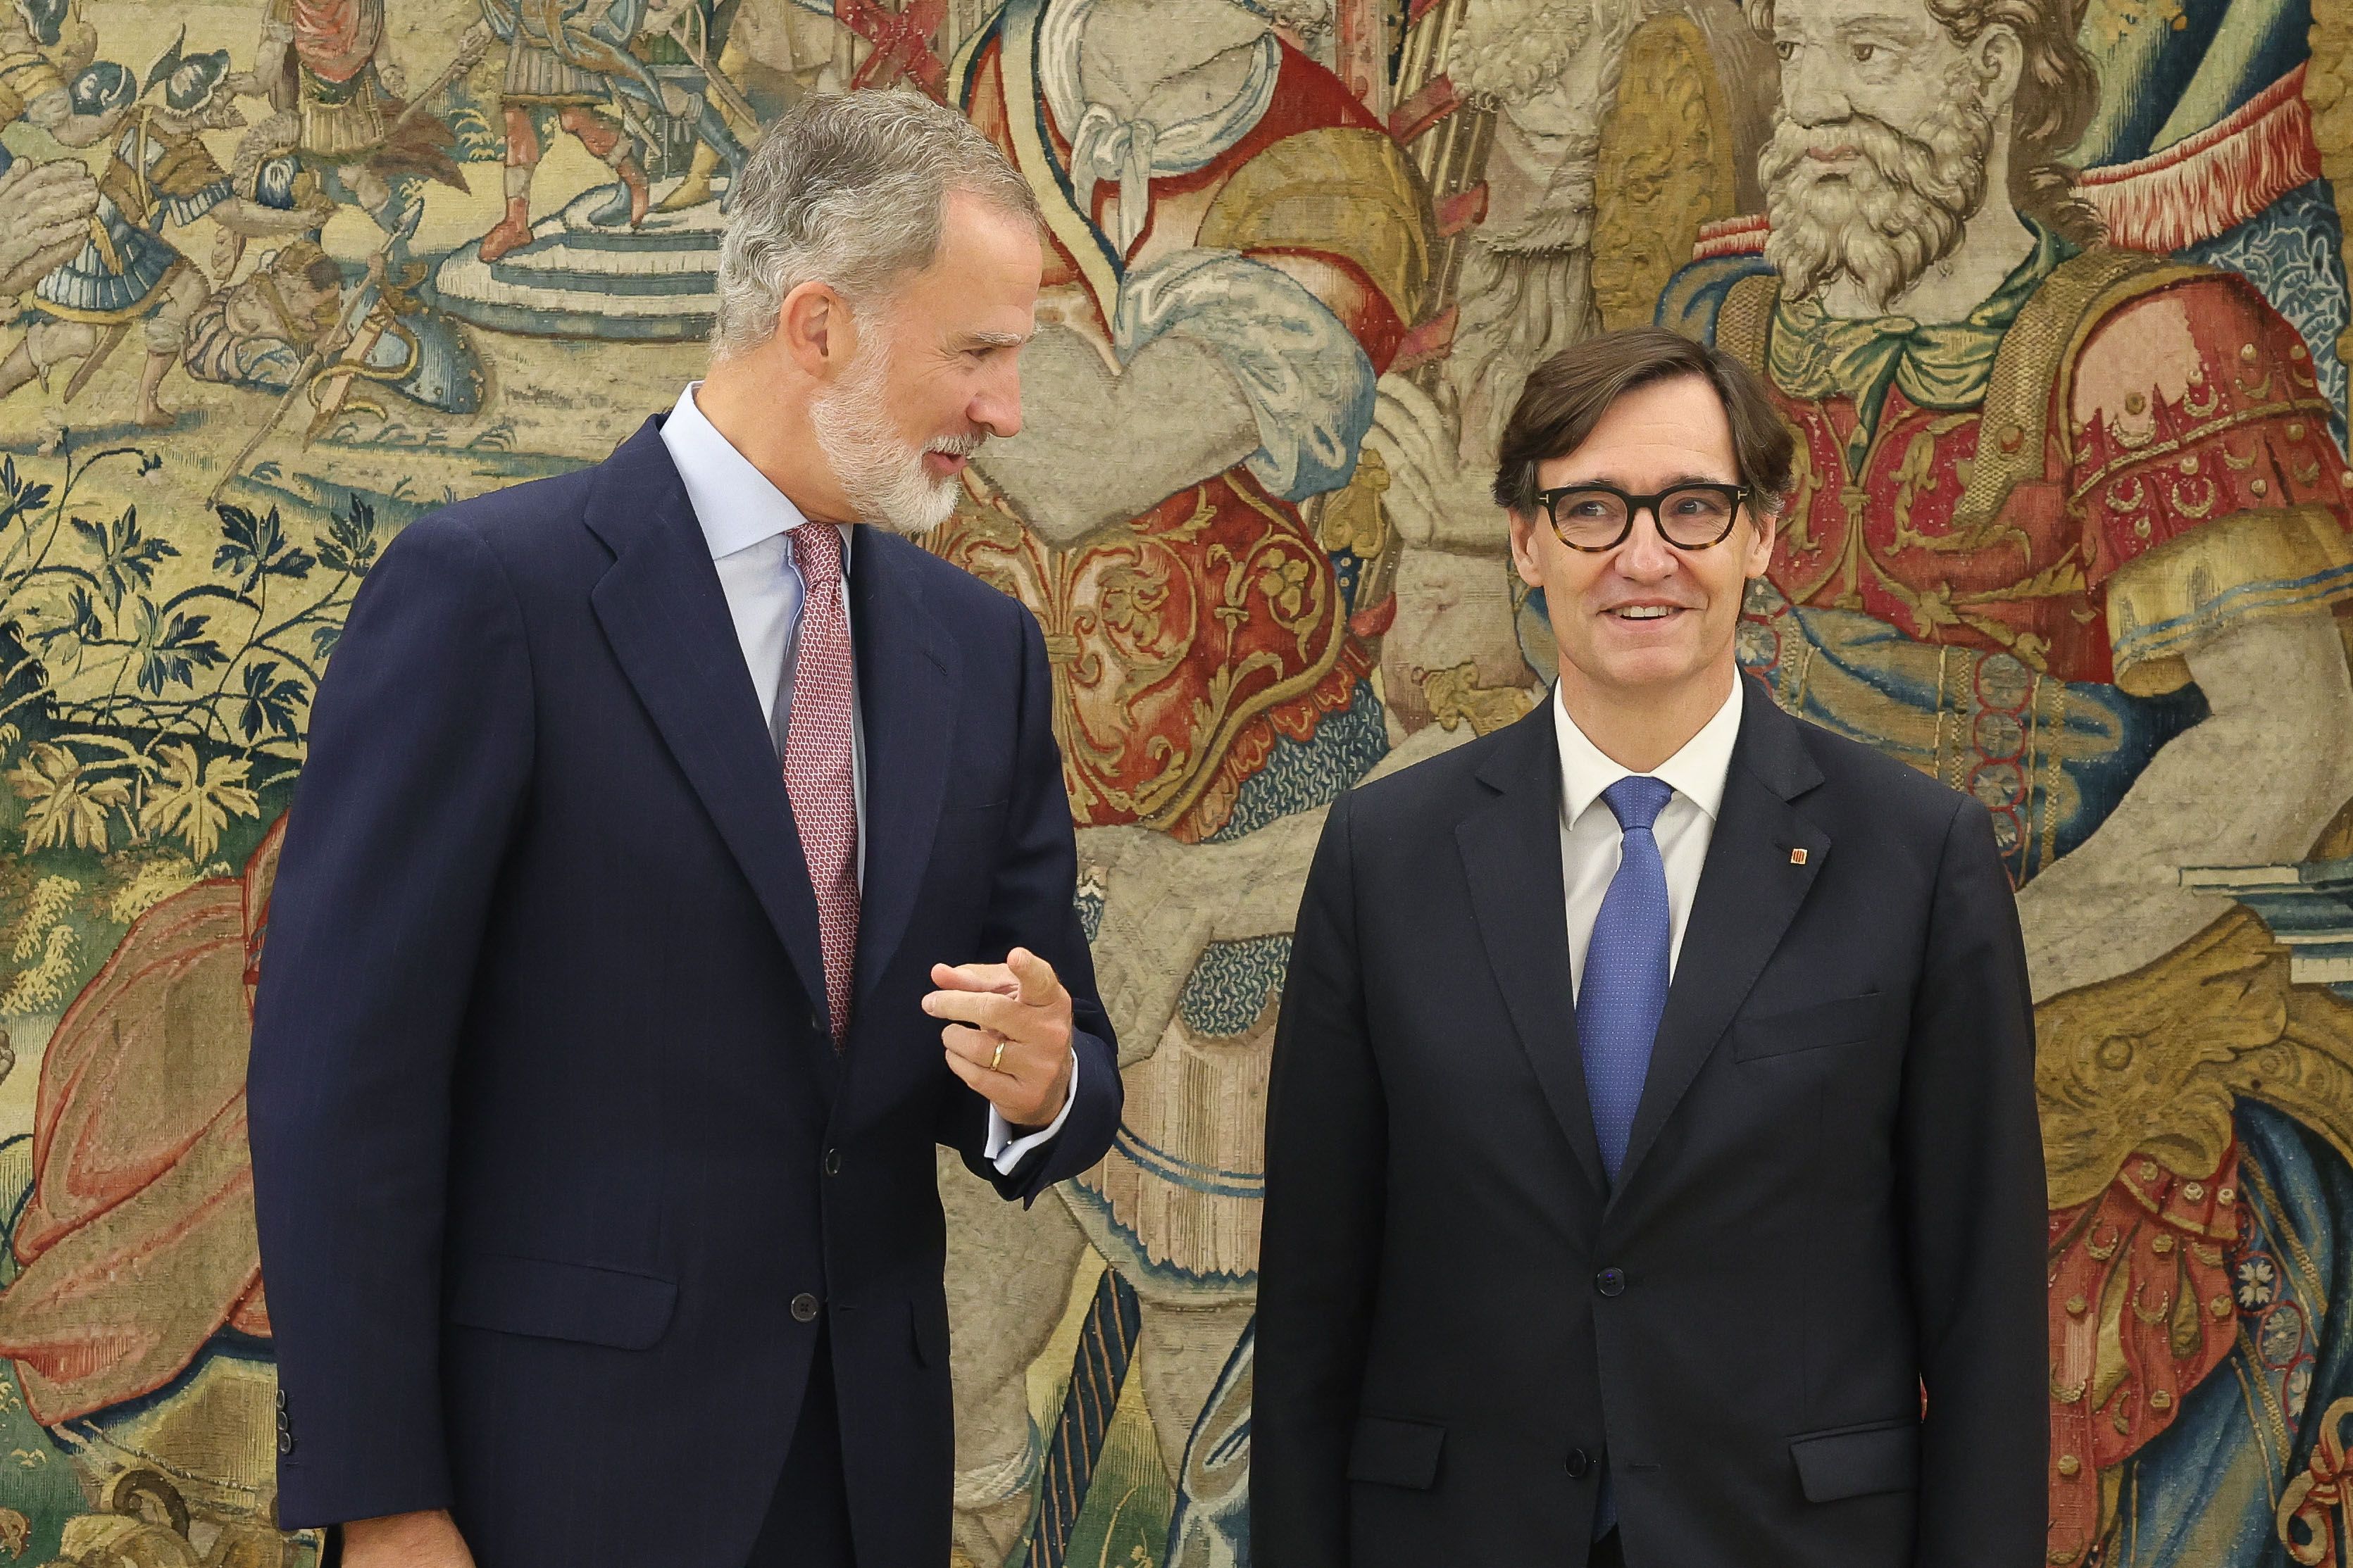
x=817 y=552
x=1636 y=800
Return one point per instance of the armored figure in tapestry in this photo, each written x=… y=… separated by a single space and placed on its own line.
x=1237 y=248
x=2069 y=534
x=129 y=272
x=570 y=66
x=293 y=317
x=1176 y=249
x=339 y=106
x=37 y=57
x=45 y=208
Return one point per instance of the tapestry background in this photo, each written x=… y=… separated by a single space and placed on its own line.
x=2081 y=553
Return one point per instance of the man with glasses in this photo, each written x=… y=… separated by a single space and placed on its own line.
x=1652 y=1171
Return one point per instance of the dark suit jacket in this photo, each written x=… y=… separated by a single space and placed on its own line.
x=549 y=1138
x=1832 y=1194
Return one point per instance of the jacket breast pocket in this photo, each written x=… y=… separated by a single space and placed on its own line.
x=555 y=1301
x=1858 y=1462
x=1392 y=1453
x=1845 y=1021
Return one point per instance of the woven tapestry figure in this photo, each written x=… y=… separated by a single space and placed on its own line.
x=2053 y=291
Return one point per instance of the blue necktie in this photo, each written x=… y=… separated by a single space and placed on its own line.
x=1623 y=991
x=1624 y=987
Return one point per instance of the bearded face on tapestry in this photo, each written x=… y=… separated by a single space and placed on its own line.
x=2069 y=534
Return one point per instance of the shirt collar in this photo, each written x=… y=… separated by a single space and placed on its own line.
x=1696 y=772
x=735 y=503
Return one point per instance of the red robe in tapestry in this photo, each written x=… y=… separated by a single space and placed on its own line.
x=137 y=1244
x=1186 y=640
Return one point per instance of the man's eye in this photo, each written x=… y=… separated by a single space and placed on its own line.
x=1785 y=49
x=1863 y=52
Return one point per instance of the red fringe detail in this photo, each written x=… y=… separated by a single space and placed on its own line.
x=1741 y=236
x=2208 y=184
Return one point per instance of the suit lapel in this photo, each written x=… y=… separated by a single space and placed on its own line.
x=1750 y=891
x=1511 y=851
x=667 y=620
x=906 y=696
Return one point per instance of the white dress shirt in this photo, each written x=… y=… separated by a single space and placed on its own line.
x=1591 y=837
x=747 y=522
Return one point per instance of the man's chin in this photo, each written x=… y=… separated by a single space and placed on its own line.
x=1651 y=670
x=915 y=522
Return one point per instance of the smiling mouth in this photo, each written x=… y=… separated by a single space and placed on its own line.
x=1642 y=614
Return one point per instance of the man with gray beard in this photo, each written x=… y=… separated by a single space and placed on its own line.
x=2070 y=531
x=682 y=854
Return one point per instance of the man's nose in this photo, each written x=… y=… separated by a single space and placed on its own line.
x=996 y=407
x=1646 y=556
x=1813 y=92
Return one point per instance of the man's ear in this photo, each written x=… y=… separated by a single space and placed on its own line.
x=1526 y=558
x=818 y=330
x=1763 y=527
x=2000 y=58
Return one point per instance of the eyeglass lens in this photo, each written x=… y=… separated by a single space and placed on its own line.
x=1689 y=519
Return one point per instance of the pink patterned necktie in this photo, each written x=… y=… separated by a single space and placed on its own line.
x=819 y=760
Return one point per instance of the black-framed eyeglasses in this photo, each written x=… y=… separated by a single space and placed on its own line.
x=1597 y=517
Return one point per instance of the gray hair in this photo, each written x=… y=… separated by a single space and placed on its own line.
x=850 y=190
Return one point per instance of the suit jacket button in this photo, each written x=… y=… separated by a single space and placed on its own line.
x=285 y=1441
x=1610 y=1281
x=1579 y=1464
x=833 y=1162
x=805 y=1308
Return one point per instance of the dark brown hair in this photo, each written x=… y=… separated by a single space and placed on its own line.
x=1567 y=395
x=2058 y=92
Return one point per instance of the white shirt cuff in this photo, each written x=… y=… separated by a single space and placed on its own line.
x=1006 y=1152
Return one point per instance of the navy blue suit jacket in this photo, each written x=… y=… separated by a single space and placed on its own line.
x=549 y=1136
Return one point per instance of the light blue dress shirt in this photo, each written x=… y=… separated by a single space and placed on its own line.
x=747 y=522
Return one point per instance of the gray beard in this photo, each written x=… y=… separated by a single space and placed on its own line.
x=1890 y=214
x=883 y=478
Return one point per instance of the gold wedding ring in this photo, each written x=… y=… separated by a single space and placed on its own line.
x=997 y=1057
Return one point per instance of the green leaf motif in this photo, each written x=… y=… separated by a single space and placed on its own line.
x=270 y=703
x=170 y=649
x=349 y=544
x=127 y=560
x=255 y=547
